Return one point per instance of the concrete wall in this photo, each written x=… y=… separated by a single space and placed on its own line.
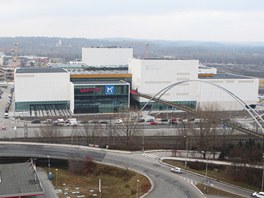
x=106 y=56
x=42 y=87
x=150 y=76
x=244 y=88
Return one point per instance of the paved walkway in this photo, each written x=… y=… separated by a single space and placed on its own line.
x=46 y=184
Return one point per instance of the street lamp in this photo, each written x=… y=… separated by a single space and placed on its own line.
x=262 y=173
x=48 y=162
x=137 y=186
x=186 y=151
x=143 y=138
x=206 y=167
x=56 y=177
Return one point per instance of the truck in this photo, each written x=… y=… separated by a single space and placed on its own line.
x=72 y=122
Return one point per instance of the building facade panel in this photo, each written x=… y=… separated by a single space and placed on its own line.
x=101 y=98
x=245 y=88
x=152 y=75
x=36 y=88
x=106 y=56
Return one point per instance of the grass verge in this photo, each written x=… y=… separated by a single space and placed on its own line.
x=209 y=190
x=217 y=174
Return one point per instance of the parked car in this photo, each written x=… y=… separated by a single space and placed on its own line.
x=48 y=121
x=176 y=121
x=35 y=121
x=258 y=194
x=150 y=120
x=153 y=123
x=176 y=170
x=103 y=122
x=81 y=122
x=118 y=121
x=94 y=122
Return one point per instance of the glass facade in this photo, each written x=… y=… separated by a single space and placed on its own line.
x=28 y=106
x=100 y=98
x=162 y=107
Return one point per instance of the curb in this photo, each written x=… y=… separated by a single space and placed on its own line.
x=139 y=172
x=213 y=179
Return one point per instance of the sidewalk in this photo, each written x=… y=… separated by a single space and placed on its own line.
x=49 y=191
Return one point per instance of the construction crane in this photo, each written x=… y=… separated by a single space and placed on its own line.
x=15 y=54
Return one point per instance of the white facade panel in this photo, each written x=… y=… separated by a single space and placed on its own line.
x=106 y=56
x=42 y=87
x=245 y=88
x=152 y=75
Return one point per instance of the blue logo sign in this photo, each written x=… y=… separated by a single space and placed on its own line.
x=109 y=89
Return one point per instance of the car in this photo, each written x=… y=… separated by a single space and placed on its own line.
x=35 y=121
x=103 y=122
x=176 y=170
x=48 y=121
x=258 y=194
x=150 y=120
x=153 y=123
x=94 y=122
x=118 y=121
x=81 y=122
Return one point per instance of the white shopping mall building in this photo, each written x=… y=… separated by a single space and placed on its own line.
x=115 y=69
x=150 y=75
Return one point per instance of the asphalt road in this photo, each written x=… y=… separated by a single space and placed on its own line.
x=166 y=184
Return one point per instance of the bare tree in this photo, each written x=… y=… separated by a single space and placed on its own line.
x=205 y=128
x=129 y=126
x=50 y=133
x=91 y=131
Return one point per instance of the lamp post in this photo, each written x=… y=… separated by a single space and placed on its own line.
x=262 y=173
x=143 y=138
x=186 y=151
x=206 y=167
x=48 y=162
x=56 y=177
x=137 y=186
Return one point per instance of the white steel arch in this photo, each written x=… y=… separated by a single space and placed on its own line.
x=245 y=106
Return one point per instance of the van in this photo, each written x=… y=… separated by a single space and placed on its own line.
x=6 y=115
x=176 y=170
x=72 y=122
x=60 y=122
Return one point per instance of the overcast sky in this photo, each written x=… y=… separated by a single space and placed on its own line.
x=202 y=20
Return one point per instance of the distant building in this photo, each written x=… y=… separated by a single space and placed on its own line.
x=206 y=71
x=101 y=56
x=2 y=58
